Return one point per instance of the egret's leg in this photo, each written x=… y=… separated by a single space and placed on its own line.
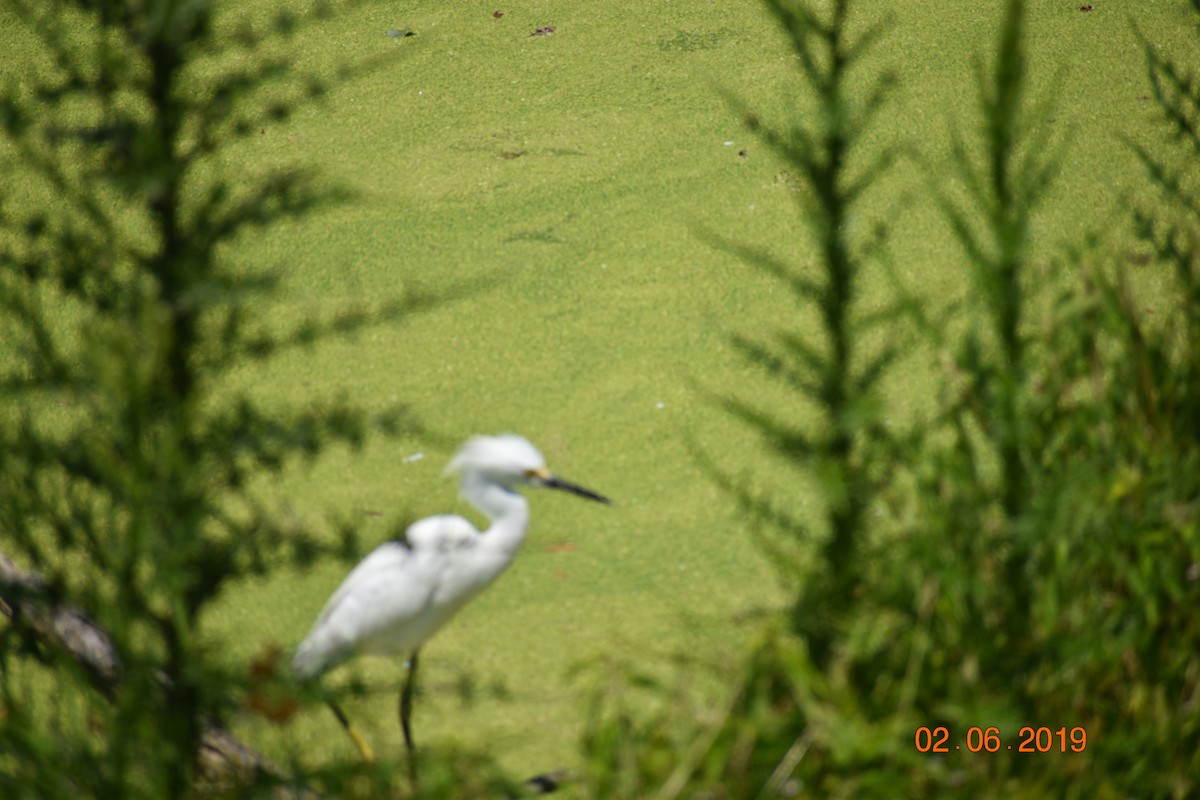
x=365 y=749
x=406 y=696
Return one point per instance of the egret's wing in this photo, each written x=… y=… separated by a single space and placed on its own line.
x=384 y=604
x=389 y=562
x=388 y=586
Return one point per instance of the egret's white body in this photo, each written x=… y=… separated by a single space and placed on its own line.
x=402 y=593
x=395 y=599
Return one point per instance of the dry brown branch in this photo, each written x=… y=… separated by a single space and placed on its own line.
x=30 y=604
x=224 y=761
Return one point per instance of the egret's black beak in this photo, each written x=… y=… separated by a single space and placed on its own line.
x=557 y=483
x=544 y=478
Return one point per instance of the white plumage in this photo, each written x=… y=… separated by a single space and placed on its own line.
x=402 y=593
x=390 y=603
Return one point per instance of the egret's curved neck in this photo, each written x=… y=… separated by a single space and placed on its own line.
x=507 y=509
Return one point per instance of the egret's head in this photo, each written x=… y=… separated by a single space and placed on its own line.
x=507 y=459
x=512 y=461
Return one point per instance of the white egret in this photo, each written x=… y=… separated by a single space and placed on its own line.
x=404 y=591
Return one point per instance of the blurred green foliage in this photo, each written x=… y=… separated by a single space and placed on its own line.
x=1027 y=555
x=124 y=481
x=1041 y=556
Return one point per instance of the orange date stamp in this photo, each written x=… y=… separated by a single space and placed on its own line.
x=988 y=740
